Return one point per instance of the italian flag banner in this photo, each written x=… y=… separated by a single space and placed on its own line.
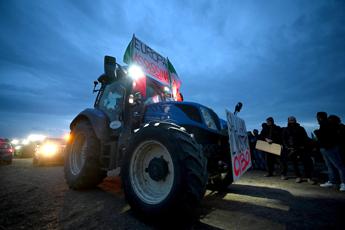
x=175 y=82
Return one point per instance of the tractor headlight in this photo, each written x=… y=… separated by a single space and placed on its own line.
x=209 y=121
x=135 y=72
x=49 y=149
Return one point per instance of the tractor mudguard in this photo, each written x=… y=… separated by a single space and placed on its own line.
x=98 y=120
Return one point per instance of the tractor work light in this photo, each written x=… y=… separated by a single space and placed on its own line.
x=49 y=149
x=131 y=99
x=166 y=89
x=135 y=72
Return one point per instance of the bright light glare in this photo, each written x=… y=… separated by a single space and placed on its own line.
x=25 y=142
x=67 y=137
x=36 y=137
x=15 y=141
x=135 y=72
x=49 y=149
x=131 y=99
x=18 y=147
x=167 y=89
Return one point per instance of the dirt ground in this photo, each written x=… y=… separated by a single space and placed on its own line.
x=38 y=198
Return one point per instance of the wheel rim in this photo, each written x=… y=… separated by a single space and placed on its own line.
x=151 y=172
x=77 y=155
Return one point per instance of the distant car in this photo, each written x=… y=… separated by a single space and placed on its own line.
x=50 y=151
x=6 y=151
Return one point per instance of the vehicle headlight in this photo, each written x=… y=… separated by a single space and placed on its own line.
x=208 y=118
x=49 y=149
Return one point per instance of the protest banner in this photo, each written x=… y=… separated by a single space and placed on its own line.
x=239 y=145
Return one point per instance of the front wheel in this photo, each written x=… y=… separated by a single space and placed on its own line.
x=82 y=162
x=164 y=170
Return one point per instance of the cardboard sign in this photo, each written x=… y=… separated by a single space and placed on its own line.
x=269 y=148
x=153 y=64
x=239 y=145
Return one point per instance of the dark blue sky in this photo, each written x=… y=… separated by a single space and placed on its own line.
x=279 y=58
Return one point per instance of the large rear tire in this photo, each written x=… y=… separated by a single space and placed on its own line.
x=164 y=171
x=82 y=161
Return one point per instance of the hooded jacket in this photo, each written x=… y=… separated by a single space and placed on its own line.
x=294 y=136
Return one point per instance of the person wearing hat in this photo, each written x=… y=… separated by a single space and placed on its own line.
x=295 y=141
x=270 y=133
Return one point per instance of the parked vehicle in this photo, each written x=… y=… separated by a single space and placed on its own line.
x=50 y=151
x=6 y=151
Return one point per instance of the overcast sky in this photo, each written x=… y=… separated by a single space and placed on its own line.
x=279 y=58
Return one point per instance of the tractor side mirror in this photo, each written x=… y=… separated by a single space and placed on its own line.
x=238 y=107
x=95 y=83
x=110 y=67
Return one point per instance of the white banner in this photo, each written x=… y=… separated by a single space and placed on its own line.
x=153 y=64
x=239 y=145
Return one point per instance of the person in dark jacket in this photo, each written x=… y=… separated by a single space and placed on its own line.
x=328 y=140
x=270 y=133
x=295 y=141
x=336 y=121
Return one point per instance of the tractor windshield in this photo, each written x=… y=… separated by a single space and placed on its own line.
x=156 y=92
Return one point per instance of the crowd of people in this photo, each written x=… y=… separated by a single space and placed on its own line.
x=329 y=138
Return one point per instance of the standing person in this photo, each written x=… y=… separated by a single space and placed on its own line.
x=328 y=140
x=253 y=137
x=335 y=120
x=270 y=133
x=259 y=155
x=257 y=160
x=251 y=141
x=295 y=141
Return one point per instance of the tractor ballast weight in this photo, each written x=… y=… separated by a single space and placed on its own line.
x=168 y=151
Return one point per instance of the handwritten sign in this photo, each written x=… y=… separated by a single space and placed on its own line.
x=239 y=145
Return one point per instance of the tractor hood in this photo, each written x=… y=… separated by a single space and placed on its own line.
x=185 y=114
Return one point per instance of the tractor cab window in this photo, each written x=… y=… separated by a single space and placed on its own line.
x=112 y=100
x=155 y=92
x=152 y=95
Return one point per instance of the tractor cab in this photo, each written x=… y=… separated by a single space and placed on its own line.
x=125 y=89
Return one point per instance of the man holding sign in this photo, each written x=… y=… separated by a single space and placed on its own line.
x=270 y=133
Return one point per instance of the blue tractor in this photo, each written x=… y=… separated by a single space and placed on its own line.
x=168 y=151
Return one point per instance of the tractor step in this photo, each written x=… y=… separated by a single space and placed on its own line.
x=106 y=160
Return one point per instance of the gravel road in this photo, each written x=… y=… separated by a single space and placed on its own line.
x=38 y=198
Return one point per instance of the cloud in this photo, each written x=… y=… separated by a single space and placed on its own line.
x=278 y=58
